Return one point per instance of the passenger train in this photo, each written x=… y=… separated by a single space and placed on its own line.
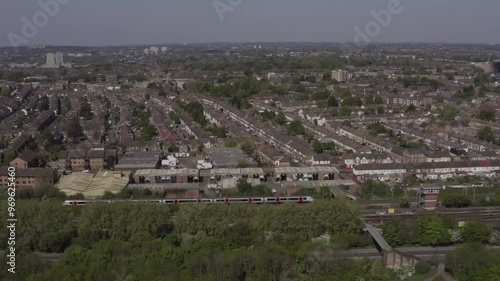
x=248 y=200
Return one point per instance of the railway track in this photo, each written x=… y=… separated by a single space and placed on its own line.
x=488 y=215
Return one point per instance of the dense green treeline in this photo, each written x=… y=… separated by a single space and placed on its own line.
x=474 y=262
x=192 y=242
x=431 y=230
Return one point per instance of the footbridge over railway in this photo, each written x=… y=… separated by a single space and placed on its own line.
x=391 y=257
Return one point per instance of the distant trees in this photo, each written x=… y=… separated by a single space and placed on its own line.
x=448 y=113
x=425 y=230
x=280 y=119
x=332 y=102
x=219 y=132
x=473 y=262
x=486 y=133
x=372 y=188
x=345 y=111
x=5 y=91
x=246 y=189
x=319 y=147
x=8 y=156
x=376 y=128
x=43 y=104
x=296 y=128
x=248 y=146
x=231 y=143
x=86 y=109
x=474 y=231
x=196 y=110
x=174 y=117
x=374 y=100
x=352 y=101
x=394 y=232
x=431 y=231
x=487 y=115
x=73 y=129
x=411 y=108
x=456 y=201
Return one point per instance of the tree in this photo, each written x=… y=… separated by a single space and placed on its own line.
x=456 y=201
x=378 y=100
x=231 y=143
x=173 y=148
x=352 y=101
x=475 y=231
x=473 y=262
x=243 y=187
x=108 y=195
x=430 y=230
x=280 y=119
x=43 y=104
x=174 y=117
x=448 y=113
x=248 y=146
x=394 y=232
x=345 y=111
x=9 y=155
x=296 y=128
x=4 y=142
x=317 y=147
x=47 y=190
x=74 y=129
x=374 y=188
x=487 y=115
x=411 y=108
x=327 y=76
x=86 y=110
x=45 y=176
x=422 y=267
x=5 y=91
x=332 y=101
x=486 y=134
x=242 y=164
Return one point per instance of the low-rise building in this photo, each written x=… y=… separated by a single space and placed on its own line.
x=27 y=177
x=28 y=159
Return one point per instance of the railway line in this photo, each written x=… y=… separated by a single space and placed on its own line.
x=488 y=215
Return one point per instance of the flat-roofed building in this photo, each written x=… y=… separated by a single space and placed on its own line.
x=176 y=176
x=94 y=185
x=138 y=160
x=237 y=173
x=228 y=157
x=306 y=173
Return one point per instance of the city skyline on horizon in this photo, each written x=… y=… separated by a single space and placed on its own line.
x=66 y=22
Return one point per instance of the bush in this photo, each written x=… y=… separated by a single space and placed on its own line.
x=475 y=231
x=456 y=201
x=422 y=267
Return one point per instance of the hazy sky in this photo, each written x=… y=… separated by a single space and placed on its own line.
x=120 y=22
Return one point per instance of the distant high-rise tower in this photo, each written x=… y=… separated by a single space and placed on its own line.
x=341 y=75
x=55 y=60
x=59 y=59
x=51 y=60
